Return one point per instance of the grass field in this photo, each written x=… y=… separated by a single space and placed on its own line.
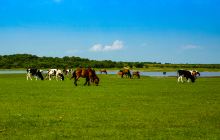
x=146 y=108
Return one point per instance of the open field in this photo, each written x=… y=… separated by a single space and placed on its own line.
x=150 y=69
x=146 y=108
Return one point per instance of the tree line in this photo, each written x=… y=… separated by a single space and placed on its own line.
x=29 y=60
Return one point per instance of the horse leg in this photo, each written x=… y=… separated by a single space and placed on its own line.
x=178 y=79
x=87 y=81
x=49 y=76
x=75 y=81
x=56 y=76
x=181 y=79
x=29 y=76
x=129 y=75
x=187 y=79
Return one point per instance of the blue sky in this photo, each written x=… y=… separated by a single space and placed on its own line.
x=167 y=31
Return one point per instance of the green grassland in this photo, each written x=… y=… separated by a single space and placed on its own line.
x=149 y=69
x=146 y=108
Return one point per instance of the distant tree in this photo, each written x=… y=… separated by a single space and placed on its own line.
x=28 y=60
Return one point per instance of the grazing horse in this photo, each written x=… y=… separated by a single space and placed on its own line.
x=125 y=72
x=34 y=72
x=103 y=71
x=88 y=73
x=55 y=72
x=185 y=73
x=136 y=74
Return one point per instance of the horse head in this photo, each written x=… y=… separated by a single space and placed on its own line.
x=192 y=79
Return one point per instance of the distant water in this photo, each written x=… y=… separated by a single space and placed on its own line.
x=203 y=74
x=12 y=71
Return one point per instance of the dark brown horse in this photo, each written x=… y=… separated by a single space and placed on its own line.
x=103 y=71
x=136 y=74
x=88 y=73
x=125 y=72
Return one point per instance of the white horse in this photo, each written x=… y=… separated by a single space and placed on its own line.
x=55 y=72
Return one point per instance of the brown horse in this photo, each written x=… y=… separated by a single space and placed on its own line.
x=103 y=71
x=125 y=72
x=88 y=73
x=136 y=74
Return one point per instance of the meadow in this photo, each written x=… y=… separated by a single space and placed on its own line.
x=146 y=108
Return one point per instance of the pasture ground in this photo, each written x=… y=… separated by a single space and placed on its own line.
x=146 y=108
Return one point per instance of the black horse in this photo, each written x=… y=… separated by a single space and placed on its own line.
x=34 y=72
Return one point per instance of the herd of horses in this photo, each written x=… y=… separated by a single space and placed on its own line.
x=91 y=77
x=127 y=73
x=88 y=73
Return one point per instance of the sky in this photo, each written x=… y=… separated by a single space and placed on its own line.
x=166 y=31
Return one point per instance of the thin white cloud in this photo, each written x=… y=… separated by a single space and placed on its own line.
x=190 y=47
x=116 y=45
x=97 y=48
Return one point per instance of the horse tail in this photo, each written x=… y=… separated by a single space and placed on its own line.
x=178 y=74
